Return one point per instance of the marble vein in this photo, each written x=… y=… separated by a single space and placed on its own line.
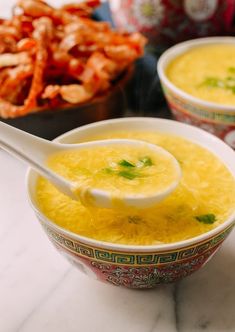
x=80 y=303
x=176 y=305
x=43 y=299
x=206 y=300
x=165 y=315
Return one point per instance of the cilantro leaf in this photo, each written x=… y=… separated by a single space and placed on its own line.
x=209 y=218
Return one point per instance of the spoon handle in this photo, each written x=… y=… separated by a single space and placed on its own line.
x=21 y=143
x=34 y=151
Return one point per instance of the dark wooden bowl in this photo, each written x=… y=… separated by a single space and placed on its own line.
x=54 y=122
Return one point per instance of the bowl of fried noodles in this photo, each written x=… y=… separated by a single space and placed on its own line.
x=60 y=69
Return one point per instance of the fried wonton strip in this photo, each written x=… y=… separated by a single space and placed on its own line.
x=42 y=36
x=52 y=56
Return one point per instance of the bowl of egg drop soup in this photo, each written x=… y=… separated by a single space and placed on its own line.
x=143 y=247
x=198 y=80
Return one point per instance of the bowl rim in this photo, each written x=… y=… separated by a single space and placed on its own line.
x=136 y=248
x=180 y=48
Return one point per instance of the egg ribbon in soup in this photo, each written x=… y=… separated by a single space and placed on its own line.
x=120 y=170
x=204 y=198
x=206 y=72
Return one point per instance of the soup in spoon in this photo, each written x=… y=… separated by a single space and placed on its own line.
x=121 y=170
x=204 y=198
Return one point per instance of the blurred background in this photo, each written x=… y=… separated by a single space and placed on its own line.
x=164 y=23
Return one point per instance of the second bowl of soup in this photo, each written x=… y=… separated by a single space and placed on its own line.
x=141 y=248
x=198 y=79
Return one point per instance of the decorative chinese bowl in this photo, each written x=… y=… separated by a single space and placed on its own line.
x=166 y=22
x=215 y=118
x=129 y=265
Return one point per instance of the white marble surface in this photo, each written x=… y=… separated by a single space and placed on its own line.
x=40 y=291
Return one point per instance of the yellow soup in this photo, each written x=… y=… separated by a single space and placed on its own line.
x=206 y=72
x=117 y=169
x=204 y=199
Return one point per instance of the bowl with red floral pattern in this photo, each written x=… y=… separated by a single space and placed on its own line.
x=141 y=264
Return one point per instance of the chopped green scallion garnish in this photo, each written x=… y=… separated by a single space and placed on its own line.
x=125 y=163
x=134 y=219
x=227 y=83
x=109 y=170
x=209 y=218
x=127 y=175
x=146 y=161
x=213 y=82
x=231 y=70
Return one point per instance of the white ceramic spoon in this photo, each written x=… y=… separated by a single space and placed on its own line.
x=35 y=151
